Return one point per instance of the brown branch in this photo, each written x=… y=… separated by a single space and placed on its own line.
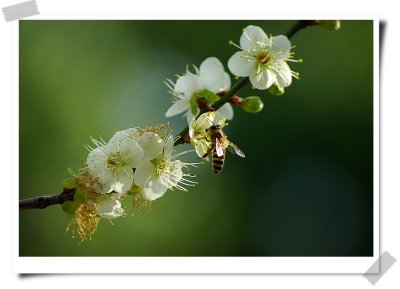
x=43 y=202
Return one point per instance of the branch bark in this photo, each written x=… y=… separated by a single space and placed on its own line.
x=43 y=202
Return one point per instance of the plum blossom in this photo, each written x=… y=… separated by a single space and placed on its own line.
x=187 y=90
x=263 y=59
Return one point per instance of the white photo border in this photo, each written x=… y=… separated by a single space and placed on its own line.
x=196 y=265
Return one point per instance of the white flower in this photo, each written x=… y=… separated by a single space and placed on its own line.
x=263 y=59
x=155 y=177
x=109 y=208
x=210 y=76
x=198 y=132
x=112 y=162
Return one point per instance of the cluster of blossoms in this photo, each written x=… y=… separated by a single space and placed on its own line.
x=141 y=162
x=137 y=162
x=263 y=59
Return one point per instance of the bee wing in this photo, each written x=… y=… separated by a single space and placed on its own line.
x=218 y=148
x=235 y=150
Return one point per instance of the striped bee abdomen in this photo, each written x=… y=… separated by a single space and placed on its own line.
x=218 y=162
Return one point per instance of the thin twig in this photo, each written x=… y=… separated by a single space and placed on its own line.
x=43 y=202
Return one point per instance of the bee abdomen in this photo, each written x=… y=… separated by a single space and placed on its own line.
x=218 y=163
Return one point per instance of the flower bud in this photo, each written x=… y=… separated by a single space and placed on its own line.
x=252 y=104
x=276 y=89
x=332 y=25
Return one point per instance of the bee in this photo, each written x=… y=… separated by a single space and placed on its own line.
x=219 y=143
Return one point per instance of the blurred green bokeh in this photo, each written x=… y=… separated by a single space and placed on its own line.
x=304 y=189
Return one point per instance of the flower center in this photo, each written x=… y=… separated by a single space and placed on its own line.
x=114 y=160
x=161 y=165
x=263 y=57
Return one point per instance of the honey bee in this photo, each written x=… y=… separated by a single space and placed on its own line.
x=219 y=143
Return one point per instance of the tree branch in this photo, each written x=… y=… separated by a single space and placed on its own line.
x=43 y=202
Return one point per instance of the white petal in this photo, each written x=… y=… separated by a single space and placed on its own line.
x=150 y=195
x=225 y=111
x=280 y=44
x=205 y=121
x=152 y=145
x=132 y=152
x=123 y=135
x=143 y=173
x=169 y=147
x=121 y=180
x=109 y=209
x=201 y=149
x=187 y=84
x=241 y=63
x=157 y=187
x=190 y=115
x=96 y=162
x=178 y=107
x=251 y=35
x=262 y=80
x=227 y=81
x=212 y=75
x=284 y=74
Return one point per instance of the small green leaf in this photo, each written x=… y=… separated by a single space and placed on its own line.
x=193 y=105
x=71 y=172
x=208 y=95
x=68 y=183
x=69 y=207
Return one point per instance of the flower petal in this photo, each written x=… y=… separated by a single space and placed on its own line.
x=178 y=107
x=152 y=144
x=212 y=75
x=190 y=115
x=252 y=34
x=132 y=152
x=149 y=194
x=143 y=173
x=227 y=81
x=96 y=162
x=241 y=63
x=280 y=44
x=201 y=148
x=284 y=74
x=121 y=181
x=225 y=111
x=123 y=135
x=205 y=121
x=187 y=84
x=109 y=209
x=262 y=80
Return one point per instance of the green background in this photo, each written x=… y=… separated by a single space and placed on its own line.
x=305 y=187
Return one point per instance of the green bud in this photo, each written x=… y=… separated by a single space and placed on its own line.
x=68 y=183
x=276 y=89
x=252 y=104
x=332 y=25
x=69 y=207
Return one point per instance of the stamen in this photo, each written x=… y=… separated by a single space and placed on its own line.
x=234 y=44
